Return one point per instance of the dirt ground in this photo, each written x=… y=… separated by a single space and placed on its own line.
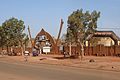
x=100 y=63
x=11 y=77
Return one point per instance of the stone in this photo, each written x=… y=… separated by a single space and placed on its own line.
x=91 y=60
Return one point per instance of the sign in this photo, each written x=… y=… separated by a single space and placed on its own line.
x=46 y=49
x=61 y=48
x=26 y=53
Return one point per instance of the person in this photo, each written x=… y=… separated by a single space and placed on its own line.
x=26 y=58
x=26 y=54
x=64 y=53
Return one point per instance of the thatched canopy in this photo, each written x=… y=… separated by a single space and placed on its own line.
x=110 y=34
x=48 y=36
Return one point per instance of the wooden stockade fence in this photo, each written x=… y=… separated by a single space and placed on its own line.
x=99 y=50
x=17 y=51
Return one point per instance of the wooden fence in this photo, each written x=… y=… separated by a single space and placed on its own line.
x=101 y=50
x=98 y=50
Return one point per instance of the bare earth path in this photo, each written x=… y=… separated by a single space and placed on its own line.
x=101 y=63
x=29 y=71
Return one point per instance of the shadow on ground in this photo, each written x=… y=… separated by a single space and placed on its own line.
x=67 y=57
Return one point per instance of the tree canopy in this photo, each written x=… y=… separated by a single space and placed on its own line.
x=12 y=31
x=80 y=25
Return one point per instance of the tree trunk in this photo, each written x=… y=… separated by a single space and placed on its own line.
x=70 y=48
x=82 y=51
x=7 y=50
x=11 y=49
x=22 y=49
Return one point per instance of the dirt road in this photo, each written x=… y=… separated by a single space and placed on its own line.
x=26 y=71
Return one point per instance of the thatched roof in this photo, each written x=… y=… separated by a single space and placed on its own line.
x=104 y=34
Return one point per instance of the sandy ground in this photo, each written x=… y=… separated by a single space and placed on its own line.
x=102 y=63
x=6 y=76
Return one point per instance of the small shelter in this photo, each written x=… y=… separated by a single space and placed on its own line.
x=107 y=38
x=44 y=40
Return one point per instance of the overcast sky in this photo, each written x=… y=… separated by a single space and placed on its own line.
x=46 y=14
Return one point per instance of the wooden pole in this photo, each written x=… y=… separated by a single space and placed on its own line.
x=61 y=25
x=30 y=36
